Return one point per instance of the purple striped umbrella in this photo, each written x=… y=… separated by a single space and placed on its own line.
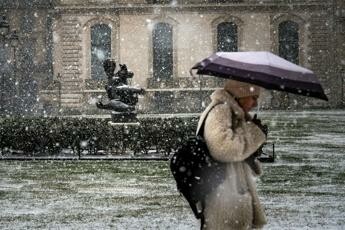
x=263 y=69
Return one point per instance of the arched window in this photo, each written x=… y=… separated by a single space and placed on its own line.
x=227 y=37
x=288 y=41
x=162 y=39
x=100 y=49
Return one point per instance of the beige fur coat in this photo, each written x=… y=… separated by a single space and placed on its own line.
x=232 y=139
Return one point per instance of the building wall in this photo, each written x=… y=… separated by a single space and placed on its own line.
x=193 y=38
x=339 y=25
x=321 y=43
x=134 y=46
x=31 y=60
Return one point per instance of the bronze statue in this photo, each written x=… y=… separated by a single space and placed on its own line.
x=122 y=97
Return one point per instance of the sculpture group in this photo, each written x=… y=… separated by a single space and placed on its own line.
x=122 y=97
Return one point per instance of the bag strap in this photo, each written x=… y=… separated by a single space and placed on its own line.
x=200 y=132
x=201 y=123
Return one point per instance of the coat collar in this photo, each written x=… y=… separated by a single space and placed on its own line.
x=221 y=96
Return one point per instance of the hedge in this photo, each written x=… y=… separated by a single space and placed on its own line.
x=50 y=135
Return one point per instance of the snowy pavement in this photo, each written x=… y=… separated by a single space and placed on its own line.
x=303 y=189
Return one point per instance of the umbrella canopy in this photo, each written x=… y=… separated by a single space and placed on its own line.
x=263 y=69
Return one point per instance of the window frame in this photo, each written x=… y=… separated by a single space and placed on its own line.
x=114 y=24
x=231 y=19
x=150 y=25
x=303 y=39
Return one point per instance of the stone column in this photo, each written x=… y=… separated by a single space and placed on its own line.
x=71 y=82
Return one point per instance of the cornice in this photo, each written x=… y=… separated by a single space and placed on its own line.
x=207 y=8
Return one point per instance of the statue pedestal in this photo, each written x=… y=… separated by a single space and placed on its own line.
x=124 y=117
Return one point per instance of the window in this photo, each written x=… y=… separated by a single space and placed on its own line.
x=100 y=49
x=162 y=40
x=288 y=41
x=227 y=37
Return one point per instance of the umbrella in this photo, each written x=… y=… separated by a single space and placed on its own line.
x=263 y=69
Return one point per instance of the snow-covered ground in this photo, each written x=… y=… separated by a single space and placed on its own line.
x=303 y=189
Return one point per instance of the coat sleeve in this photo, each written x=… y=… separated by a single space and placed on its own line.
x=227 y=143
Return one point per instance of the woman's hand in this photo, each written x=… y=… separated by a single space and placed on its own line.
x=263 y=127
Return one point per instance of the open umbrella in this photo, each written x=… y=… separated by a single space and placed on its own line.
x=263 y=69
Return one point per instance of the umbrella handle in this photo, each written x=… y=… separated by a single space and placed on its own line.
x=191 y=73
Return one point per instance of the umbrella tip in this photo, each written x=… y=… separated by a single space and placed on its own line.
x=191 y=73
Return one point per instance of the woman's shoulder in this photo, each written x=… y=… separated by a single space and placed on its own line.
x=222 y=100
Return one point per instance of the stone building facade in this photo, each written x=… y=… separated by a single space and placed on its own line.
x=28 y=67
x=64 y=37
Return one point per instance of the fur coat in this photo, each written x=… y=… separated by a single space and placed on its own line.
x=231 y=137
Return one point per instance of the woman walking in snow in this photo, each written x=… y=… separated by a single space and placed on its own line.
x=233 y=137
